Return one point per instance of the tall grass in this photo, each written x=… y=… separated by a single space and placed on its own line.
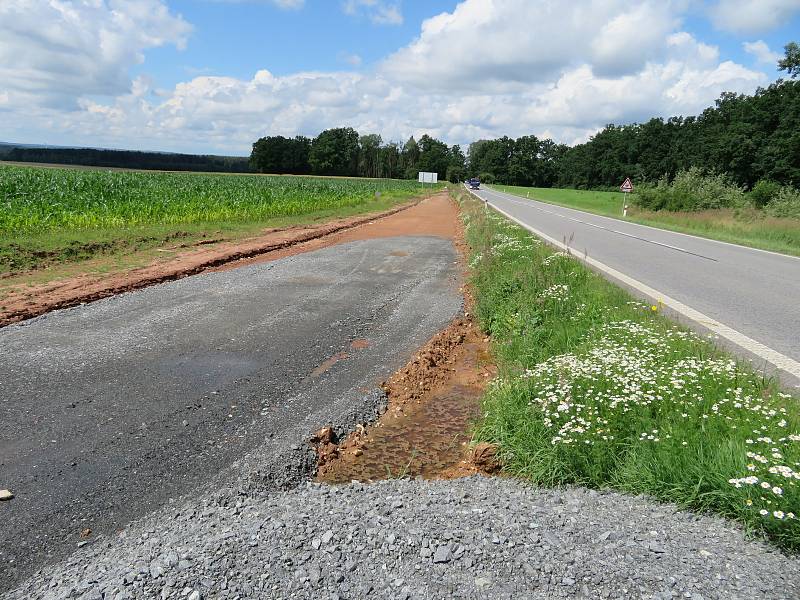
x=600 y=390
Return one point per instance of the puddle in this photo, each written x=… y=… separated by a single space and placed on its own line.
x=433 y=402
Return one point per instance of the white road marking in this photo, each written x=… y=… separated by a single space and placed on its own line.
x=658 y=229
x=781 y=361
x=618 y=232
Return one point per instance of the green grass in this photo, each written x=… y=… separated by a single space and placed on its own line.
x=600 y=390
x=748 y=227
x=50 y=216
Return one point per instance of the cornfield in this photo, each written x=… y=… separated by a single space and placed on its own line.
x=36 y=200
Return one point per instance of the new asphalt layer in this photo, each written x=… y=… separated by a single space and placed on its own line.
x=118 y=407
x=735 y=289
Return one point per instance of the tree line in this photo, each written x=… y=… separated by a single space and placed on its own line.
x=126 y=159
x=749 y=138
x=342 y=151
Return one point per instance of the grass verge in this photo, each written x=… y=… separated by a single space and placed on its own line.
x=745 y=227
x=600 y=390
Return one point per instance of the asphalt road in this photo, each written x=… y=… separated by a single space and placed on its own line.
x=753 y=292
x=115 y=408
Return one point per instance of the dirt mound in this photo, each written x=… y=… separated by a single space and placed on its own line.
x=433 y=402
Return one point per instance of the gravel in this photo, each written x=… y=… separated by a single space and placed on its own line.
x=468 y=538
x=111 y=410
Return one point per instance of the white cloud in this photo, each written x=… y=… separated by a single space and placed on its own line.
x=527 y=41
x=752 y=16
x=380 y=12
x=761 y=51
x=54 y=52
x=487 y=69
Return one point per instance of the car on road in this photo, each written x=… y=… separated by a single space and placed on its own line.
x=474 y=183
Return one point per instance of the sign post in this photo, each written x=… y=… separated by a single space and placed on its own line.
x=626 y=188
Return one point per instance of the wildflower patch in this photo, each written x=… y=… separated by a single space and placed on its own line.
x=600 y=390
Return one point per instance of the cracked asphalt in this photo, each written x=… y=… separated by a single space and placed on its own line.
x=116 y=408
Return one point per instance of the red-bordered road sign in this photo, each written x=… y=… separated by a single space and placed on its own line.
x=626 y=186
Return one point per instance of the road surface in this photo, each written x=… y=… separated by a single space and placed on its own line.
x=115 y=408
x=751 y=292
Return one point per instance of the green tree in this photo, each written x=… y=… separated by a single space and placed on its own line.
x=390 y=162
x=277 y=154
x=410 y=158
x=791 y=60
x=434 y=156
x=369 y=155
x=335 y=152
x=456 y=165
x=523 y=165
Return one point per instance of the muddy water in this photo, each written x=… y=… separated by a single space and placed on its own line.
x=426 y=437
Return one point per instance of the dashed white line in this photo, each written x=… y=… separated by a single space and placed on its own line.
x=595 y=225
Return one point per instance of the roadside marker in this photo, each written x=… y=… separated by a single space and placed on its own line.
x=627 y=188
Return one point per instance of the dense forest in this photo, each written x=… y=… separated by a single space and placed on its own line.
x=126 y=159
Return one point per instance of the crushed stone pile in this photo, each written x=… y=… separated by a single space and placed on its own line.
x=468 y=538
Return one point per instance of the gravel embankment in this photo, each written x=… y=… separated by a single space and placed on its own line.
x=469 y=538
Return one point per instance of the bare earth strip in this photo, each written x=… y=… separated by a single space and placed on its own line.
x=32 y=301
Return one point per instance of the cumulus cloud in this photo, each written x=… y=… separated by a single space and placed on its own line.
x=761 y=51
x=380 y=12
x=55 y=52
x=528 y=41
x=752 y=16
x=486 y=69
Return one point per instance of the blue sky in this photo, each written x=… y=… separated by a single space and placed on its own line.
x=239 y=38
x=213 y=75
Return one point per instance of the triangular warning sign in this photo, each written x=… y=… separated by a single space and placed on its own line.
x=627 y=186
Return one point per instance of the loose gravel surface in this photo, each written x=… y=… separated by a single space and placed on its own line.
x=112 y=409
x=467 y=538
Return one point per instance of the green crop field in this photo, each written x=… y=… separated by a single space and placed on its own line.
x=52 y=216
x=35 y=199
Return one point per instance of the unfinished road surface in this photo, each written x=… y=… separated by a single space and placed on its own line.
x=752 y=292
x=115 y=408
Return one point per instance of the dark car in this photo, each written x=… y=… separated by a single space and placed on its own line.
x=474 y=183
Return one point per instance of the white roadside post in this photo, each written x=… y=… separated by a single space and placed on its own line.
x=626 y=188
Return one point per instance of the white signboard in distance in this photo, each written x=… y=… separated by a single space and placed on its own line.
x=428 y=177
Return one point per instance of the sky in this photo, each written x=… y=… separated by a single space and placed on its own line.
x=212 y=76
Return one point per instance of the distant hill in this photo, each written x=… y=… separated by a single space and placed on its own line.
x=124 y=159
